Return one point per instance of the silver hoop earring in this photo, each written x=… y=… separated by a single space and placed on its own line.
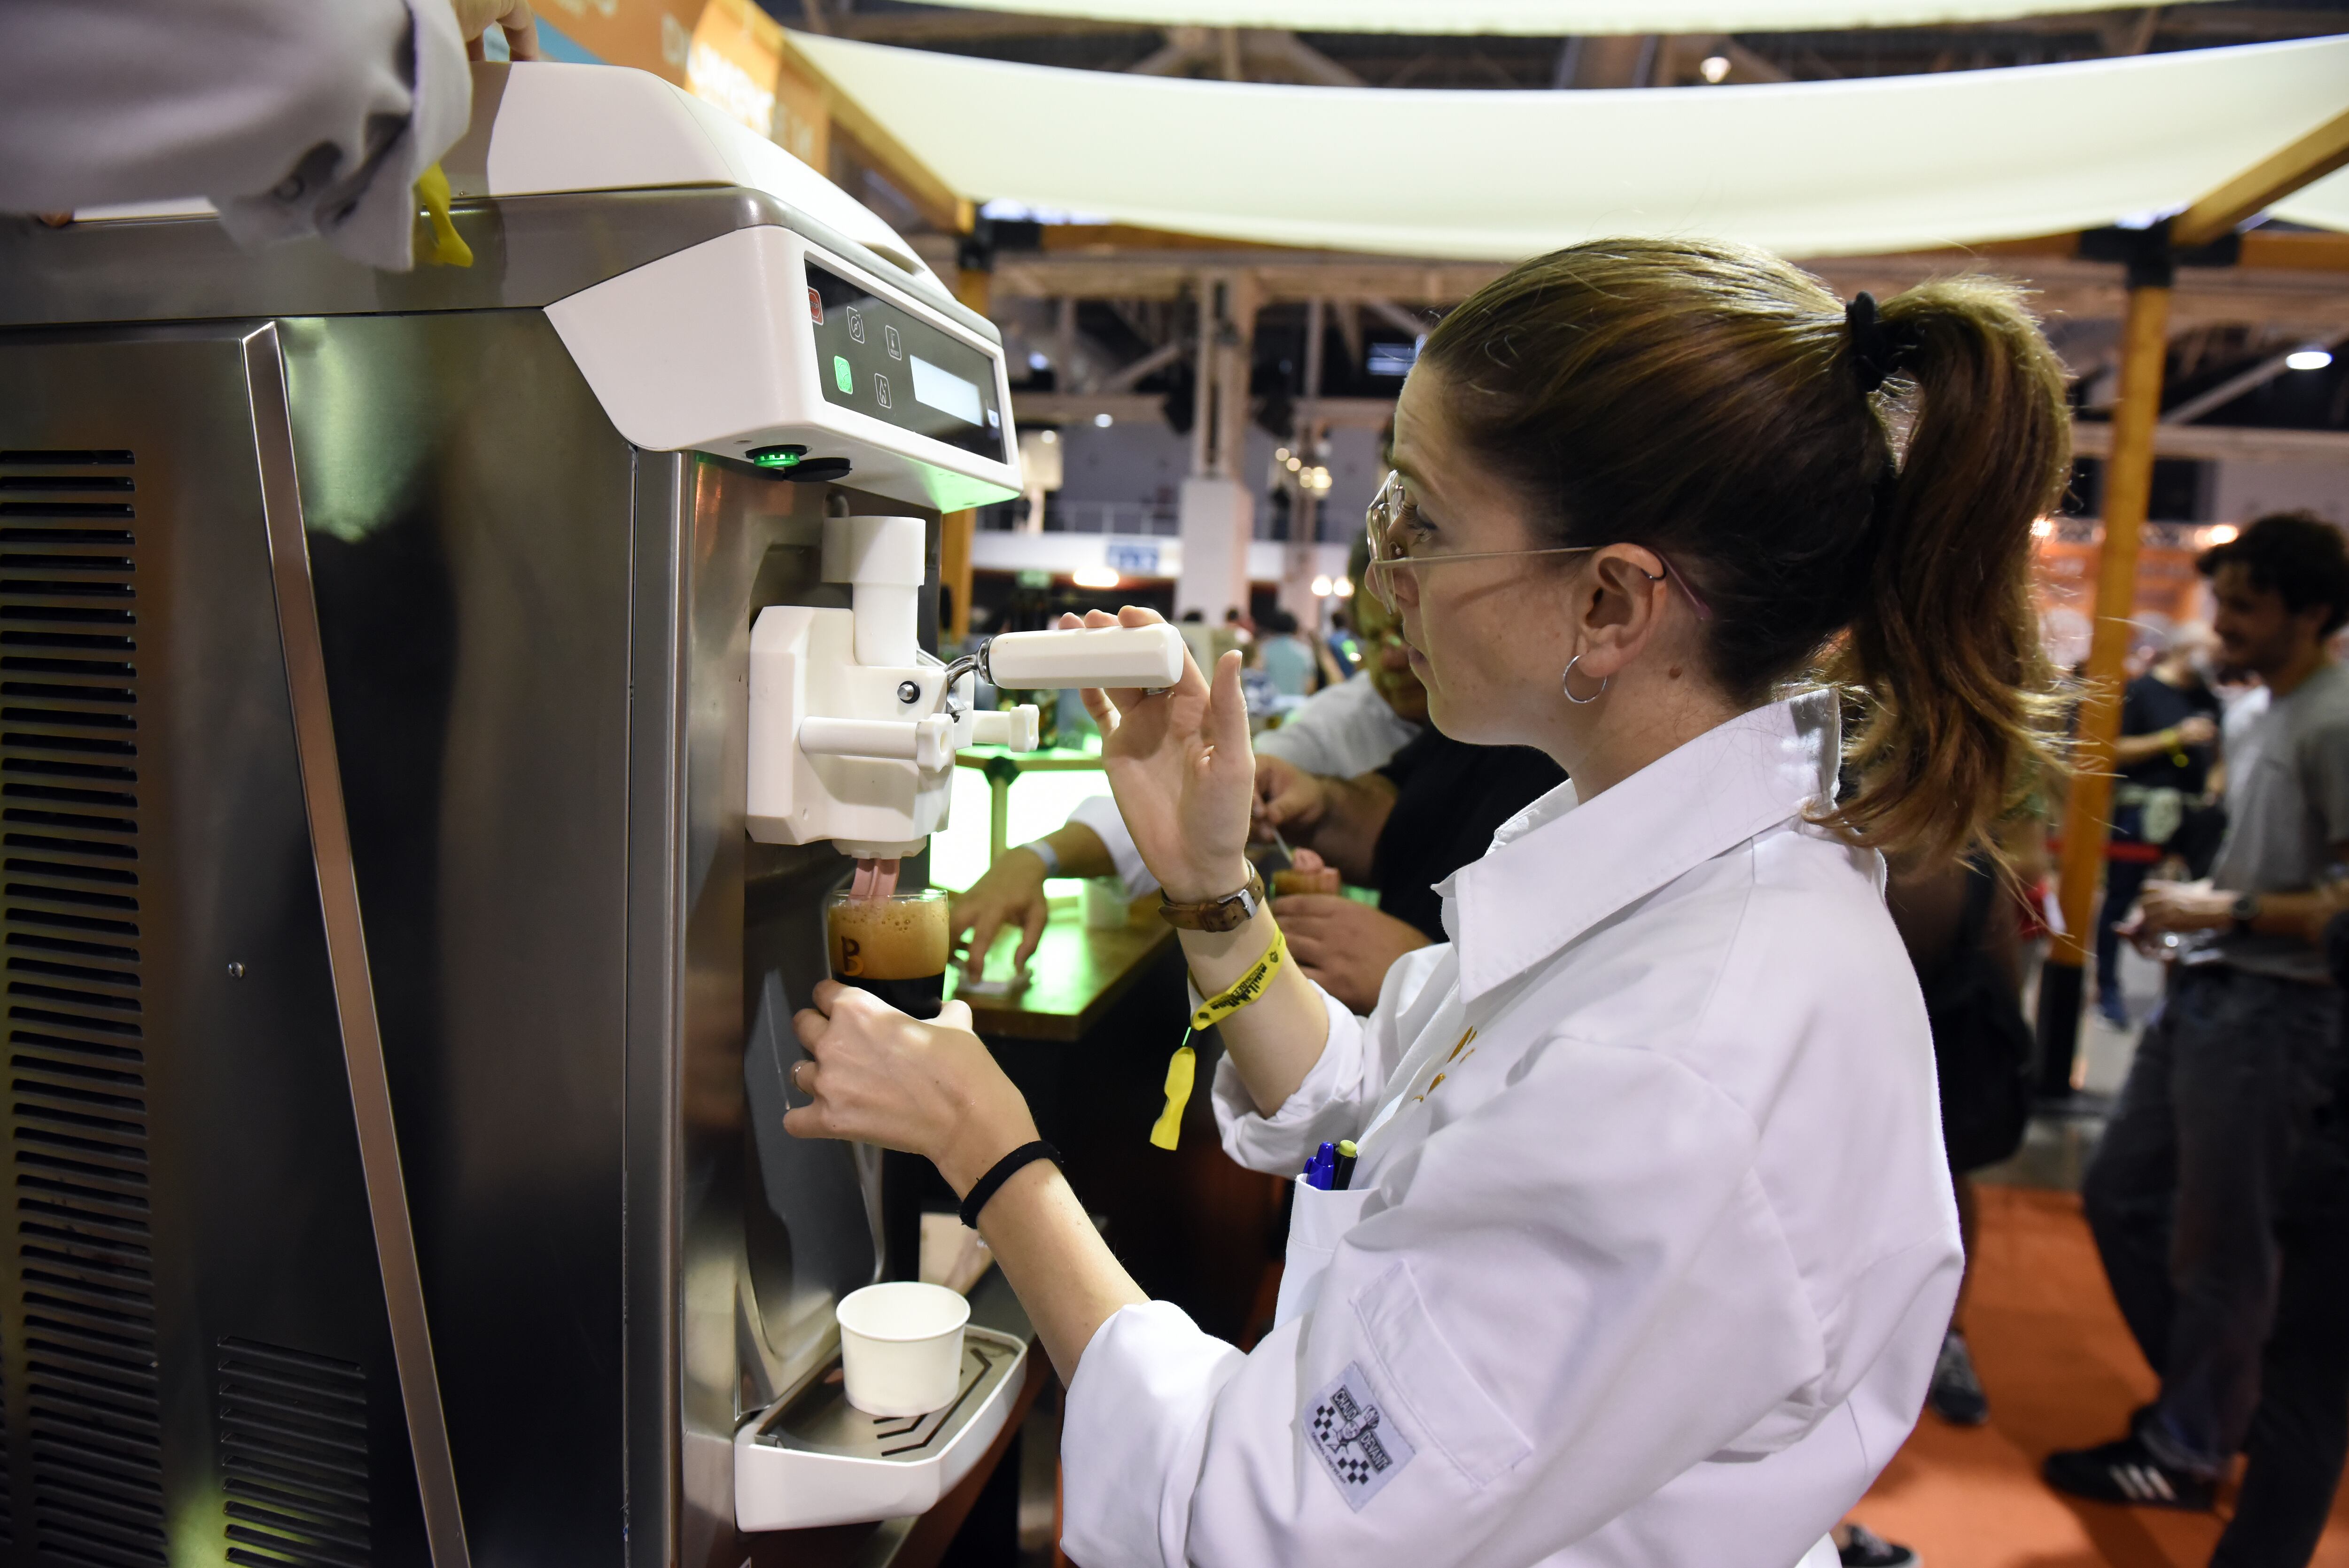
x=1566 y=685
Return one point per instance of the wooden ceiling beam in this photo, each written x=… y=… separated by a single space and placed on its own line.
x=2288 y=169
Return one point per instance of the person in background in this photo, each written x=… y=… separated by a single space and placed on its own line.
x=1198 y=635
x=2185 y=1191
x=1342 y=730
x=1343 y=646
x=2300 y=1432
x=1286 y=659
x=2169 y=724
x=1402 y=829
x=294 y=117
x=1233 y=636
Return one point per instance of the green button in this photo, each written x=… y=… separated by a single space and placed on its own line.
x=842 y=376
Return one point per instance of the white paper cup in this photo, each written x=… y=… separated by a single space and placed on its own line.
x=901 y=1346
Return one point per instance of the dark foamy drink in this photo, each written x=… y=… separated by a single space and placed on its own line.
x=895 y=947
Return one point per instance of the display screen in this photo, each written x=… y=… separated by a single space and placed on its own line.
x=881 y=359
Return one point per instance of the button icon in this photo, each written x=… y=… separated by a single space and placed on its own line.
x=815 y=307
x=843 y=377
x=881 y=388
x=855 y=324
x=889 y=336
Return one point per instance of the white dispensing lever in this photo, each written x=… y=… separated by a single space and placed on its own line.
x=1146 y=657
x=853 y=729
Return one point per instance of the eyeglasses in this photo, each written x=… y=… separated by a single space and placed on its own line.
x=1387 y=519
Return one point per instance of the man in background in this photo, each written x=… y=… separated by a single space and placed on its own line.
x=2235 y=1068
x=2169 y=724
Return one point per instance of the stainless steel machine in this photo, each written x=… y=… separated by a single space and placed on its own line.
x=394 y=989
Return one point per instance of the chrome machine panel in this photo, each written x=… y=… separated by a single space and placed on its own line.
x=534 y=643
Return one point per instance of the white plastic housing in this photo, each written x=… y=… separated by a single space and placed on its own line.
x=860 y=776
x=541 y=128
x=709 y=349
x=1148 y=656
x=881 y=559
x=862 y=754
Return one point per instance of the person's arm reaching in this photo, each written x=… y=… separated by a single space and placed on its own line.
x=2194 y=729
x=1012 y=893
x=1339 y=819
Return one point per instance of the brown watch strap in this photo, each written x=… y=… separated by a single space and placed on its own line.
x=1228 y=913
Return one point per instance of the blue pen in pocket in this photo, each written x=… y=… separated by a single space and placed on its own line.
x=1321 y=1171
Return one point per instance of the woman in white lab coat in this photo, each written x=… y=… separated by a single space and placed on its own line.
x=1651 y=1244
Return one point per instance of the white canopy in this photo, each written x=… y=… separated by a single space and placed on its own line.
x=1539 y=17
x=1806 y=168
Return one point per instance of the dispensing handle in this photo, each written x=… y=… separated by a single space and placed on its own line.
x=1147 y=656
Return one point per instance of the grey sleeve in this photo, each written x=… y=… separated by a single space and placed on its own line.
x=2324 y=772
x=294 y=117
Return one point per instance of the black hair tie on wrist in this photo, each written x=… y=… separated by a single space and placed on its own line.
x=1877 y=352
x=983 y=1191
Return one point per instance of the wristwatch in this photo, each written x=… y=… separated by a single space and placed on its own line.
x=1228 y=913
x=2245 y=908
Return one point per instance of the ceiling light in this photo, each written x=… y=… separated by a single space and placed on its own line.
x=1715 y=67
x=2223 y=533
x=1093 y=577
x=1322 y=586
x=2044 y=528
x=1280 y=454
x=1343 y=587
x=2312 y=357
x=1049 y=438
x=1294 y=464
x=1102 y=421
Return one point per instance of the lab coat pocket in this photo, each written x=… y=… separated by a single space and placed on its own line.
x=1454 y=1411
x=1317 y=1220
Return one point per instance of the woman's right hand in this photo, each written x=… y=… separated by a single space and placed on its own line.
x=1180 y=766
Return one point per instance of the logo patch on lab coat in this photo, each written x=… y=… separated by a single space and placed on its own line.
x=1357 y=1442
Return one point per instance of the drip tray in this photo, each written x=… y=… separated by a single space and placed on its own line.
x=811 y=1458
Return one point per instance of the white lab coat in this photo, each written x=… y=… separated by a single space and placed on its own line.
x=1651 y=1244
x=295 y=117
x=1340 y=732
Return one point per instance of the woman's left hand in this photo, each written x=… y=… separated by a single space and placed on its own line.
x=880 y=1077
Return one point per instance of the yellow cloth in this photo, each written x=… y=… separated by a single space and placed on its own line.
x=1182 y=1070
x=448 y=247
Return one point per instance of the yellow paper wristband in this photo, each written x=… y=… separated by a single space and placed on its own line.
x=1181 y=1069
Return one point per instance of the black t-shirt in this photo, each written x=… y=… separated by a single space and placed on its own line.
x=2152 y=705
x=1451 y=799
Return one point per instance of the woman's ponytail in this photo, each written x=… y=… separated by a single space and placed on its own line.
x=1961 y=714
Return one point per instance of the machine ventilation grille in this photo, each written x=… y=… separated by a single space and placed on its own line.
x=293 y=1458
x=77 y=1100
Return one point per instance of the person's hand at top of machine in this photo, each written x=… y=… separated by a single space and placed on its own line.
x=476 y=18
x=1180 y=765
x=876 y=1076
x=1344 y=947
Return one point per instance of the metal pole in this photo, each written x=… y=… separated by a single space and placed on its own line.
x=2087 y=821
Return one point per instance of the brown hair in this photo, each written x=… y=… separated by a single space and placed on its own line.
x=1705 y=401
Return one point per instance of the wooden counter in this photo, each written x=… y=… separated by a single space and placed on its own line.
x=1076 y=975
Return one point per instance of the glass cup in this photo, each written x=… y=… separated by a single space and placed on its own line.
x=895 y=947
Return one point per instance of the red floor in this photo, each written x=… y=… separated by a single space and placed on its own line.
x=2061 y=1372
